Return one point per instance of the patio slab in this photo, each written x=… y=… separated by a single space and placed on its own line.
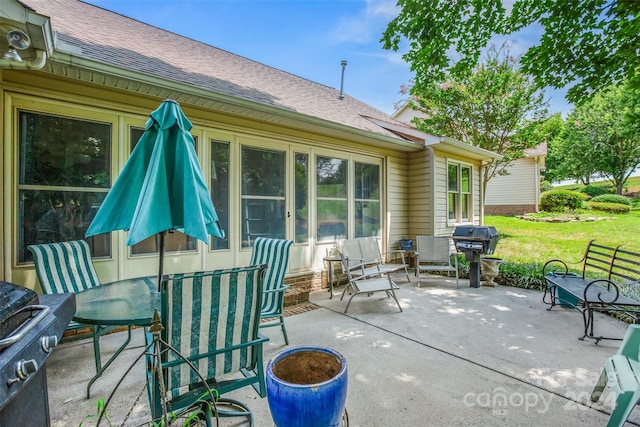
x=468 y=356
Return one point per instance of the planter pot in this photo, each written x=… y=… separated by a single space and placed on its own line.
x=490 y=269
x=307 y=387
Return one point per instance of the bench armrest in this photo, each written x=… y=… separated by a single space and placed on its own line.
x=550 y=267
x=610 y=297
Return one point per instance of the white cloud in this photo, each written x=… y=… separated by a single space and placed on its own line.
x=366 y=26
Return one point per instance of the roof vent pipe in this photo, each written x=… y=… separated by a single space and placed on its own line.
x=344 y=65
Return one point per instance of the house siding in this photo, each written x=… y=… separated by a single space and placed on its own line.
x=420 y=187
x=398 y=196
x=444 y=227
x=124 y=110
x=517 y=192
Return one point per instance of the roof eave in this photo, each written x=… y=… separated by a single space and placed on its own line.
x=453 y=146
x=186 y=94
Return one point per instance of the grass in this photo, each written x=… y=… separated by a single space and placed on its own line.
x=523 y=241
x=632 y=185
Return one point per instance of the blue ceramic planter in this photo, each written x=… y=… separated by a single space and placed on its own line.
x=319 y=403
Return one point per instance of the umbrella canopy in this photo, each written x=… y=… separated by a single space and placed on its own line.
x=161 y=187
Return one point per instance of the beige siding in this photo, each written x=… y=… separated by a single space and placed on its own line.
x=442 y=226
x=420 y=194
x=121 y=109
x=397 y=219
x=520 y=187
x=407 y=114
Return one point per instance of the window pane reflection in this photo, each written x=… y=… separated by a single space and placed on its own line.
x=219 y=187
x=301 y=197
x=263 y=194
x=63 y=176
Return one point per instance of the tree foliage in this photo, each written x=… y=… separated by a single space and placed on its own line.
x=601 y=138
x=497 y=108
x=586 y=44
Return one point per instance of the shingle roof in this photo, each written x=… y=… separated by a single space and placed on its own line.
x=120 y=41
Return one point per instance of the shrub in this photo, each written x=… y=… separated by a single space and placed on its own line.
x=527 y=275
x=546 y=186
x=561 y=200
x=594 y=190
x=609 y=207
x=612 y=198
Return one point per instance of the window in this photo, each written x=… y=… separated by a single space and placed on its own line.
x=173 y=241
x=301 y=198
x=63 y=177
x=459 y=185
x=263 y=194
x=367 y=200
x=332 y=201
x=220 y=190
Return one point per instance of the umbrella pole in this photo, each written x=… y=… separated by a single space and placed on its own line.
x=160 y=272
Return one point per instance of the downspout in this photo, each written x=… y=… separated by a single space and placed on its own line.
x=35 y=64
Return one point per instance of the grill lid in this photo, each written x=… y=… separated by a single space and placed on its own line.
x=12 y=299
x=475 y=232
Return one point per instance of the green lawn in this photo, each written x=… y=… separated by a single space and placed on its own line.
x=523 y=241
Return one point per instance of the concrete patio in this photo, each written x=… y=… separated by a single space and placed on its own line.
x=463 y=357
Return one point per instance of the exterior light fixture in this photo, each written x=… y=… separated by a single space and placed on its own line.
x=18 y=40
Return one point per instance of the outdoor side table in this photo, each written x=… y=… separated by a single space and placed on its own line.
x=128 y=302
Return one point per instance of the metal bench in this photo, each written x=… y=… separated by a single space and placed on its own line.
x=597 y=288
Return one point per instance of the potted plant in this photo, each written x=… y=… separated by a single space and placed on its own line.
x=307 y=387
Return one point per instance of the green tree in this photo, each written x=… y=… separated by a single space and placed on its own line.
x=586 y=44
x=497 y=108
x=600 y=139
x=607 y=130
x=570 y=156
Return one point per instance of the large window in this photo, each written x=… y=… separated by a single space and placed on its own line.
x=63 y=177
x=220 y=190
x=332 y=198
x=367 y=200
x=174 y=241
x=263 y=194
x=459 y=206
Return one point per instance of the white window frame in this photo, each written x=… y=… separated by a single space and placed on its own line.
x=459 y=194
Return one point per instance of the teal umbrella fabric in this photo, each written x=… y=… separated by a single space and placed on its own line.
x=161 y=187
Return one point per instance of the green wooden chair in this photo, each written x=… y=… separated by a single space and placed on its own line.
x=66 y=267
x=622 y=373
x=275 y=254
x=212 y=320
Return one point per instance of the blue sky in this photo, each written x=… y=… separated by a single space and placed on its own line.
x=308 y=38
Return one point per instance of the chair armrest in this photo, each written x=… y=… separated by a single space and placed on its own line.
x=395 y=251
x=277 y=290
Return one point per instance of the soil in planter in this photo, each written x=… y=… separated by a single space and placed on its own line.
x=307 y=367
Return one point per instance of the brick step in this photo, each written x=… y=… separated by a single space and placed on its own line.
x=296 y=296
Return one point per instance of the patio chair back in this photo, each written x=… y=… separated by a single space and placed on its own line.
x=64 y=266
x=212 y=319
x=434 y=253
x=275 y=254
x=620 y=373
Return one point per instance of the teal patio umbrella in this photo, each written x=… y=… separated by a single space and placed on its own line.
x=161 y=187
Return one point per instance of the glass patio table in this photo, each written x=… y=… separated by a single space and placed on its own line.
x=128 y=302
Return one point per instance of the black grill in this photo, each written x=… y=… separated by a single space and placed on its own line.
x=31 y=328
x=474 y=241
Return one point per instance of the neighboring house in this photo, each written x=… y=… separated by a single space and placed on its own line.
x=515 y=193
x=518 y=192
x=283 y=156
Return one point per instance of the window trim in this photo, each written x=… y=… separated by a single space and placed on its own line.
x=459 y=193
